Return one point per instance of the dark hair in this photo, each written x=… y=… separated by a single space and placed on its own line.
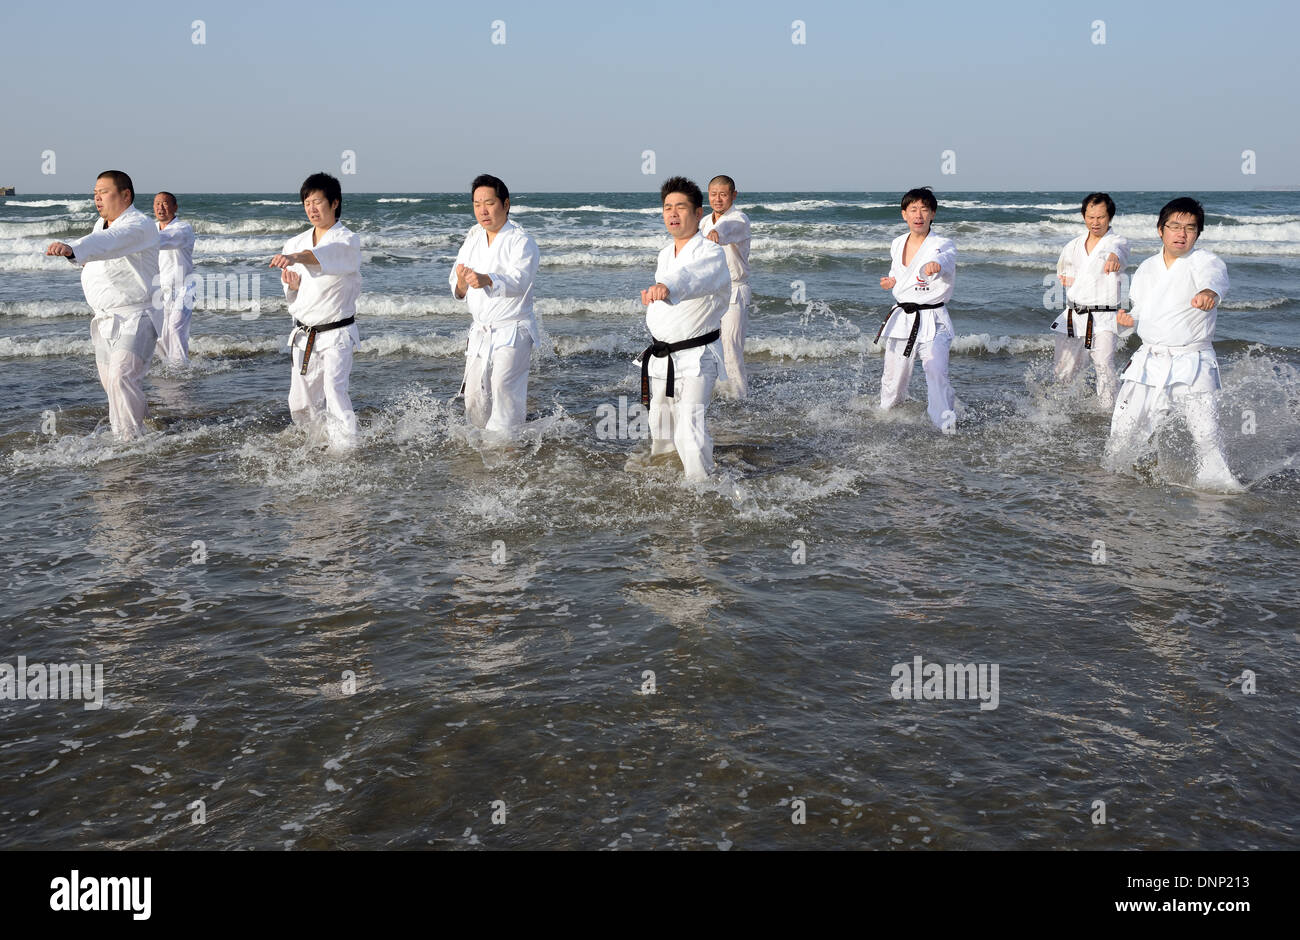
x=1095 y=199
x=680 y=184
x=724 y=179
x=924 y=194
x=487 y=179
x=120 y=180
x=170 y=197
x=1182 y=204
x=328 y=186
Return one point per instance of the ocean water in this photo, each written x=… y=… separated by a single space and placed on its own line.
x=430 y=642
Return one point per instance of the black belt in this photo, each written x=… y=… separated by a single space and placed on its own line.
x=311 y=336
x=665 y=349
x=1072 y=309
x=908 y=308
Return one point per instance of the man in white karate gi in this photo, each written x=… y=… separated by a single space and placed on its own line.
x=175 y=265
x=321 y=273
x=729 y=227
x=494 y=274
x=119 y=272
x=922 y=274
x=684 y=310
x=1089 y=268
x=1174 y=297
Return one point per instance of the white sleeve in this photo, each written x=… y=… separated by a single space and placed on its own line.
x=1135 y=291
x=896 y=269
x=947 y=258
x=1063 y=262
x=340 y=257
x=730 y=231
x=461 y=257
x=1210 y=273
x=1120 y=247
x=515 y=269
x=112 y=242
x=176 y=236
x=706 y=275
x=290 y=295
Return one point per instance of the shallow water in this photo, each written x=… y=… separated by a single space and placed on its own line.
x=369 y=650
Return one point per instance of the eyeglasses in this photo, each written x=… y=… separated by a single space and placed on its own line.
x=1175 y=229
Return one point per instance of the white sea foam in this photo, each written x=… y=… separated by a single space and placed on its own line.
x=284 y=227
x=219 y=345
x=79 y=344
x=800 y=205
x=1267 y=232
x=773 y=498
x=61 y=344
x=78 y=450
x=271 y=202
x=612 y=306
x=1006 y=206
x=28 y=246
x=435 y=346
x=444 y=305
x=585 y=259
x=405 y=305
x=606 y=210
x=42 y=227
x=603 y=241
x=976 y=344
x=72 y=205
x=400 y=199
x=803 y=347
x=211 y=246
x=1267 y=303
x=607 y=343
x=763 y=249
x=447 y=241
x=1261 y=219
x=44 y=309
x=36 y=262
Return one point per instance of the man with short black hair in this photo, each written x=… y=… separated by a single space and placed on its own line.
x=684 y=310
x=1173 y=299
x=922 y=273
x=494 y=274
x=119 y=270
x=321 y=272
x=175 y=265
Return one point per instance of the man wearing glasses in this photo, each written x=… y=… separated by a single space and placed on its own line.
x=1173 y=301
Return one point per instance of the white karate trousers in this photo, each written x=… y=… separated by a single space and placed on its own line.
x=496 y=388
x=174 y=343
x=897 y=373
x=319 y=401
x=1141 y=409
x=680 y=423
x=735 y=323
x=1070 y=357
x=123 y=348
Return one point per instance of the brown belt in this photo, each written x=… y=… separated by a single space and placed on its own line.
x=311 y=336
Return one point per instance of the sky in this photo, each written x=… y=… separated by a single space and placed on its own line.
x=878 y=97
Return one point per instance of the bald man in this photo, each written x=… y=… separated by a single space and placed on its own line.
x=175 y=265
